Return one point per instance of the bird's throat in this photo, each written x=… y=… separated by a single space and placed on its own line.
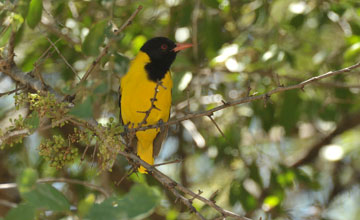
x=156 y=70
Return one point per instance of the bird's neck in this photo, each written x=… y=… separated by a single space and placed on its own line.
x=156 y=70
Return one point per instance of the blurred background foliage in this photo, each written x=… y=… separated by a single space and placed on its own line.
x=295 y=156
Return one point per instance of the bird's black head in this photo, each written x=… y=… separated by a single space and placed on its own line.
x=162 y=52
x=160 y=49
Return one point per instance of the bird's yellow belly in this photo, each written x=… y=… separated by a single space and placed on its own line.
x=136 y=100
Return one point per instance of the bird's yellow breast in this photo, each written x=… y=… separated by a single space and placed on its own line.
x=136 y=94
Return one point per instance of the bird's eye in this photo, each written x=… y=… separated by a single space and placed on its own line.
x=164 y=46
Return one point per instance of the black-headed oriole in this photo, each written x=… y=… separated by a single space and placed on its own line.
x=137 y=88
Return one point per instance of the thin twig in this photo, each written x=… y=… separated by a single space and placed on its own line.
x=13 y=134
x=62 y=57
x=106 y=48
x=152 y=106
x=60 y=34
x=166 y=163
x=173 y=185
x=41 y=59
x=11 y=53
x=7 y=203
x=12 y=91
x=79 y=182
x=217 y=126
x=187 y=203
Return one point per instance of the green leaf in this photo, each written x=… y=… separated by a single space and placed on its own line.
x=286 y=178
x=34 y=13
x=138 y=203
x=23 y=211
x=83 y=110
x=239 y=194
x=272 y=201
x=19 y=34
x=4 y=38
x=297 y=21
x=46 y=196
x=102 y=88
x=94 y=39
x=105 y=210
x=141 y=200
x=121 y=63
x=27 y=180
x=32 y=120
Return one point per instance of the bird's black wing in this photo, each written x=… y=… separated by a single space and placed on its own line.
x=120 y=117
x=159 y=139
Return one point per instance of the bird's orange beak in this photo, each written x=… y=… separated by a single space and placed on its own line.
x=181 y=47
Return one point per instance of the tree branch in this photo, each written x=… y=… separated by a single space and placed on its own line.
x=173 y=185
x=106 y=48
x=347 y=123
x=248 y=99
x=62 y=180
x=12 y=91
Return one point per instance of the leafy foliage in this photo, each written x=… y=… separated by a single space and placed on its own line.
x=293 y=155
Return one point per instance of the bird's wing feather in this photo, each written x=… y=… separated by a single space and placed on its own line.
x=159 y=139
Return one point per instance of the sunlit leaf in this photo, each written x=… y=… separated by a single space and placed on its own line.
x=85 y=205
x=27 y=180
x=271 y=201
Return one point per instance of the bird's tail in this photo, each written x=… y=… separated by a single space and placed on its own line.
x=145 y=152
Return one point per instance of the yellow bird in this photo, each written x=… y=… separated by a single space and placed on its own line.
x=137 y=89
